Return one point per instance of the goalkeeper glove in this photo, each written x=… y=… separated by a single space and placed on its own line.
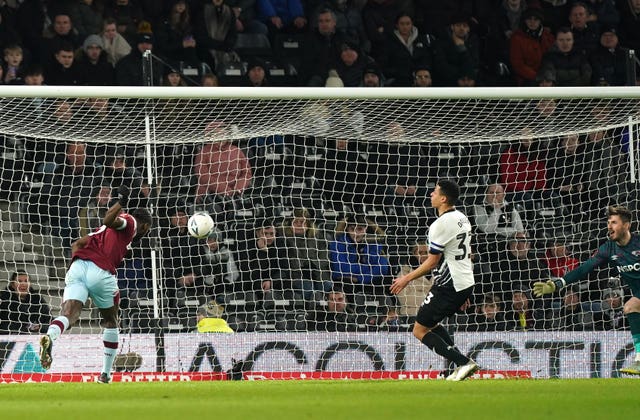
x=123 y=195
x=541 y=288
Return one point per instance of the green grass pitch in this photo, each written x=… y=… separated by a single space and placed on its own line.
x=420 y=399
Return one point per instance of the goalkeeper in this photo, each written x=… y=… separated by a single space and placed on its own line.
x=622 y=251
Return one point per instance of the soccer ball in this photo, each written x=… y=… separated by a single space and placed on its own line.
x=200 y=225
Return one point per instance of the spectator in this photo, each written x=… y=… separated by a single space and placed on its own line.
x=176 y=35
x=609 y=60
x=378 y=17
x=93 y=66
x=570 y=66
x=456 y=56
x=572 y=316
x=218 y=267
x=63 y=70
x=209 y=322
x=282 y=16
x=321 y=45
x=546 y=79
x=173 y=77
x=209 y=80
x=216 y=34
x=522 y=316
x=263 y=263
x=68 y=189
x=558 y=259
x=518 y=269
x=585 y=31
x=86 y=16
x=22 y=309
x=246 y=17
x=528 y=45
x=371 y=76
x=405 y=48
x=341 y=187
x=497 y=220
x=357 y=261
x=336 y=316
x=629 y=24
x=489 y=316
x=612 y=315
x=115 y=45
x=566 y=174
x=502 y=25
x=522 y=171
x=307 y=251
x=34 y=75
x=422 y=76
x=351 y=63
x=129 y=68
x=257 y=73
x=60 y=31
x=348 y=17
x=91 y=216
x=221 y=167
x=116 y=172
x=410 y=298
x=127 y=14
x=13 y=66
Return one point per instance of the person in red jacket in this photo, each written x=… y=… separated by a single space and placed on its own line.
x=528 y=45
x=522 y=170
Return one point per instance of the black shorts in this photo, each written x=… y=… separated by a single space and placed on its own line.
x=440 y=304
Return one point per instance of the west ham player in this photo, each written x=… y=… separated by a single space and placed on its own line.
x=622 y=251
x=94 y=260
x=449 y=261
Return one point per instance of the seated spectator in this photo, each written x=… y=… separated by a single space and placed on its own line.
x=609 y=60
x=496 y=219
x=307 y=251
x=129 y=67
x=405 y=47
x=209 y=80
x=257 y=74
x=523 y=172
x=358 y=262
x=61 y=31
x=522 y=316
x=335 y=316
x=63 y=70
x=585 y=30
x=321 y=45
x=128 y=15
x=566 y=174
x=558 y=260
x=263 y=263
x=612 y=315
x=115 y=45
x=93 y=66
x=572 y=316
x=457 y=56
x=175 y=35
x=217 y=266
x=13 y=65
x=68 y=190
x=117 y=171
x=173 y=77
x=411 y=297
x=247 y=17
x=489 y=316
x=22 y=309
x=570 y=66
x=92 y=215
x=527 y=46
x=372 y=77
x=422 y=76
x=348 y=17
x=351 y=63
x=221 y=167
x=282 y=16
x=216 y=34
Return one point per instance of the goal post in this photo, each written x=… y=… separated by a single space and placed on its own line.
x=288 y=174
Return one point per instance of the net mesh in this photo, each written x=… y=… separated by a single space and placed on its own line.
x=287 y=182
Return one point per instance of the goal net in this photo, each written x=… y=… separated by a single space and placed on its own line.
x=320 y=199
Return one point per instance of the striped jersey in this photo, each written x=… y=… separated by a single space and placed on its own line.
x=450 y=235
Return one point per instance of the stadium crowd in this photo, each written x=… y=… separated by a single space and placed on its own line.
x=320 y=42
x=300 y=243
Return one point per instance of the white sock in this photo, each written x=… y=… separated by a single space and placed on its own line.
x=57 y=327
x=110 y=341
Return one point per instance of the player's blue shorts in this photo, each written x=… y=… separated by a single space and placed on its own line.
x=85 y=279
